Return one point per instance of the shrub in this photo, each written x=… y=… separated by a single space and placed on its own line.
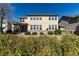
x=50 y=32
x=41 y=33
x=34 y=33
x=27 y=33
x=58 y=32
x=9 y=31
x=16 y=31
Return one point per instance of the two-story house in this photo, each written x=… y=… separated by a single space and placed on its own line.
x=69 y=24
x=39 y=23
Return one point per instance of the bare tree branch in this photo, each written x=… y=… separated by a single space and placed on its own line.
x=5 y=12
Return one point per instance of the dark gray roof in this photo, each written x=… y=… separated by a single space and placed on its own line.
x=69 y=17
x=42 y=15
x=38 y=15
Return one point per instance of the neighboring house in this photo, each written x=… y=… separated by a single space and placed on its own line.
x=39 y=23
x=69 y=24
x=9 y=25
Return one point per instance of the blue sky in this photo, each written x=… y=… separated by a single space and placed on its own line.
x=22 y=9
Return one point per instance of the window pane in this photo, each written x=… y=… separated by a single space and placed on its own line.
x=31 y=18
x=40 y=27
x=37 y=27
x=31 y=27
x=40 y=18
x=55 y=27
x=55 y=18
x=34 y=18
x=52 y=26
x=49 y=18
x=52 y=17
x=34 y=27
x=37 y=18
x=23 y=20
x=49 y=27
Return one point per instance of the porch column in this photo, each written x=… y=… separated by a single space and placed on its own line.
x=28 y=27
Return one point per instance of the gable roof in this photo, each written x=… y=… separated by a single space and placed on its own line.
x=68 y=17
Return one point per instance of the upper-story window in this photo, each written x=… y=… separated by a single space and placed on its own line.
x=35 y=18
x=40 y=18
x=31 y=18
x=51 y=18
x=55 y=17
x=22 y=20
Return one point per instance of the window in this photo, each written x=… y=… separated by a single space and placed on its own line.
x=52 y=27
x=31 y=27
x=34 y=27
x=31 y=18
x=49 y=27
x=40 y=27
x=49 y=18
x=55 y=27
x=34 y=18
x=37 y=27
x=37 y=18
x=22 y=20
x=55 y=17
x=52 y=17
x=40 y=18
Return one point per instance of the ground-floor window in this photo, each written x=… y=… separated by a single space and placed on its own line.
x=55 y=27
x=52 y=27
x=36 y=27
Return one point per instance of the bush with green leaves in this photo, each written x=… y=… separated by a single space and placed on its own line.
x=27 y=33
x=58 y=32
x=50 y=32
x=41 y=33
x=34 y=33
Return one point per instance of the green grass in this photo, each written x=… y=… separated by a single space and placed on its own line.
x=12 y=45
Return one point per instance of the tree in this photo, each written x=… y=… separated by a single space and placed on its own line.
x=5 y=11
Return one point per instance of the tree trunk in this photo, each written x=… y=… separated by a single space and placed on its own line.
x=1 y=24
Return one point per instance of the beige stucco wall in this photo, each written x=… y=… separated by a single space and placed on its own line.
x=45 y=22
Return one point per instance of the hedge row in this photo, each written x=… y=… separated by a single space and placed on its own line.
x=57 y=32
